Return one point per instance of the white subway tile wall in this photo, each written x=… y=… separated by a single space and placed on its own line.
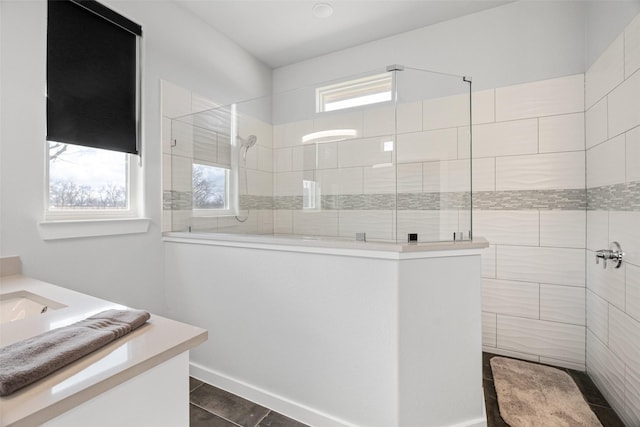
x=563 y=304
x=608 y=371
x=483 y=107
x=632 y=388
x=633 y=154
x=633 y=291
x=184 y=144
x=315 y=223
x=409 y=117
x=598 y=317
x=561 y=341
x=540 y=171
x=448 y=112
x=624 y=106
x=596 y=126
x=503 y=139
x=427 y=146
x=597 y=230
x=508 y=227
x=606 y=73
x=607 y=283
x=562 y=133
x=561 y=266
x=378 y=225
x=632 y=47
x=540 y=99
x=379 y=121
x=489 y=327
x=564 y=229
x=613 y=154
x=512 y=298
x=534 y=271
x=606 y=163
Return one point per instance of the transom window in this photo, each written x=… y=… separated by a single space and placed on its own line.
x=355 y=93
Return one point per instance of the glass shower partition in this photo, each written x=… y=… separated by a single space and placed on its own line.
x=433 y=155
x=376 y=156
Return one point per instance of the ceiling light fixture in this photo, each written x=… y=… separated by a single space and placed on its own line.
x=322 y=10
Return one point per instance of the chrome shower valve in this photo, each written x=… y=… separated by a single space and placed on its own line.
x=614 y=253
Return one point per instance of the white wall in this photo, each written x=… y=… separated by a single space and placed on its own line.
x=338 y=337
x=613 y=184
x=177 y=47
x=519 y=42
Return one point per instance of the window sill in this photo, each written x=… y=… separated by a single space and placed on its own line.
x=73 y=229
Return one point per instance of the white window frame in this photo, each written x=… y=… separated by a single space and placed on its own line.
x=311 y=195
x=353 y=93
x=81 y=223
x=67 y=223
x=134 y=192
x=232 y=197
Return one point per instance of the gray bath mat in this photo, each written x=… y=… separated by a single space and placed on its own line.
x=535 y=395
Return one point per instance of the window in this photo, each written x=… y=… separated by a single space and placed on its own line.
x=85 y=178
x=93 y=85
x=310 y=195
x=355 y=93
x=210 y=188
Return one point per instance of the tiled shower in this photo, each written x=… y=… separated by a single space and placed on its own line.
x=556 y=176
x=533 y=214
x=612 y=104
x=398 y=169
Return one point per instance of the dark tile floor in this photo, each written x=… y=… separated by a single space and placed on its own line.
x=213 y=407
x=590 y=392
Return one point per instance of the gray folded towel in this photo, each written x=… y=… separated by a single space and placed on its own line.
x=29 y=360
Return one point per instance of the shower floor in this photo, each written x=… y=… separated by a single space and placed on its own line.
x=213 y=407
x=590 y=392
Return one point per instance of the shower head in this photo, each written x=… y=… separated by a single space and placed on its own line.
x=249 y=142
x=246 y=144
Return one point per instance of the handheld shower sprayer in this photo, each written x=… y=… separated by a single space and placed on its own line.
x=246 y=144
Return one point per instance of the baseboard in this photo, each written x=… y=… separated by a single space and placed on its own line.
x=265 y=398
x=288 y=407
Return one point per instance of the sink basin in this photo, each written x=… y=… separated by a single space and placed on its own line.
x=22 y=304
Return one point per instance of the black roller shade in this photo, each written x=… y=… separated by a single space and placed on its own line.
x=92 y=76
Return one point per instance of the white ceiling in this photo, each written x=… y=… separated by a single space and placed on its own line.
x=281 y=32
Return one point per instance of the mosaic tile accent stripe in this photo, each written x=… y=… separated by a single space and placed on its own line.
x=616 y=197
x=569 y=199
x=361 y=202
x=288 y=202
x=622 y=197
x=248 y=201
x=433 y=201
x=177 y=200
x=183 y=201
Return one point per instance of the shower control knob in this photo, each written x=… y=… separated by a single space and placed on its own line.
x=614 y=253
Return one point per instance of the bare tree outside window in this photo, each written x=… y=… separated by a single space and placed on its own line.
x=86 y=178
x=209 y=187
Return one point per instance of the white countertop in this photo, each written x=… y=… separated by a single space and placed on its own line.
x=157 y=341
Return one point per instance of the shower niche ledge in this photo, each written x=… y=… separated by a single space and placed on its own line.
x=336 y=333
